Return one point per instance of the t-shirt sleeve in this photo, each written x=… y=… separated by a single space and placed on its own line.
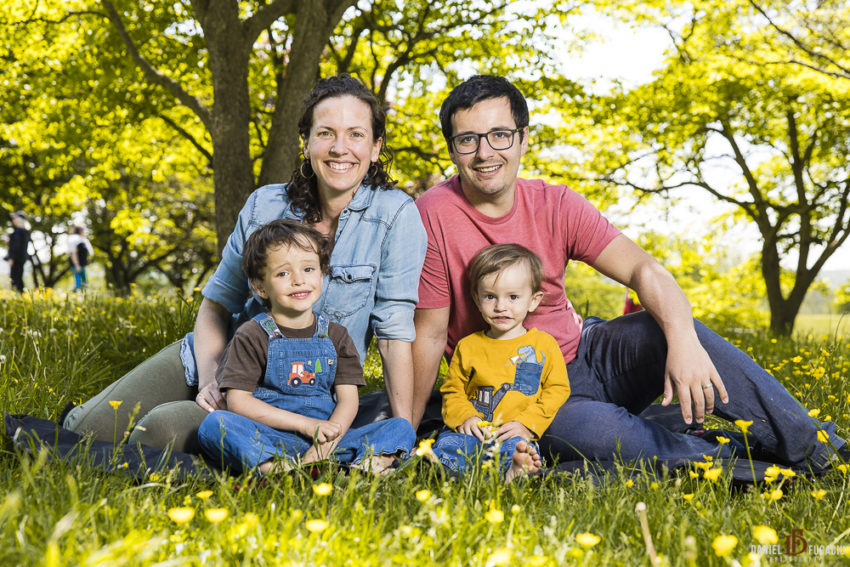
x=348 y=369
x=243 y=364
x=588 y=231
x=434 y=281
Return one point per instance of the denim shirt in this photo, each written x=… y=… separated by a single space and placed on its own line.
x=379 y=249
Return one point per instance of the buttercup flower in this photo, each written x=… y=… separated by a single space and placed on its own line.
x=181 y=515
x=823 y=436
x=316 y=526
x=723 y=544
x=688 y=497
x=424 y=447
x=115 y=403
x=322 y=489
x=204 y=494
x=722 y=440
x=501 y=556
x=814 y=413
x=765 y=535
x=744 y=425
x=712 y=474
x=587 y=540
x=774 y=494
x=818 y=494
x=423 y=495
x=494 y=516
x=216 y=515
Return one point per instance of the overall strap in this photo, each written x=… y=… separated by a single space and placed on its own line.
x=269 y=326
x=321 y=326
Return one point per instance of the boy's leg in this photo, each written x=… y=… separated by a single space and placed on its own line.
x=454 y=449
x=619 y=371
x=155 y=381
x=380 y=442
x=242 y=443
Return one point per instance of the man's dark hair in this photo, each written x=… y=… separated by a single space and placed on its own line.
x=476 y=89
x=282 y=232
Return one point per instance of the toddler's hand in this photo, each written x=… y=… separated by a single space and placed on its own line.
x=324 y=431
x=513 y=429
x=470 y=427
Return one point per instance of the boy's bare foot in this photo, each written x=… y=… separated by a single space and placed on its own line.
x=379 y=465
x=274 y=467
x=525 y=460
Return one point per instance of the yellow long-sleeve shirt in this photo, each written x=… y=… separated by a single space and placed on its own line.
x=522 y=379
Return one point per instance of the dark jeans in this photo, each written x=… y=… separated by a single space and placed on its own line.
x=16 y=272
x=619 y=371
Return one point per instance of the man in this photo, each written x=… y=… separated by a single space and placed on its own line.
x=17 y=254
x=616 y=368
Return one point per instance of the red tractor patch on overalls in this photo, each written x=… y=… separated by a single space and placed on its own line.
x=298 y=375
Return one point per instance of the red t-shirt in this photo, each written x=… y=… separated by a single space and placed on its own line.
x=553 y=221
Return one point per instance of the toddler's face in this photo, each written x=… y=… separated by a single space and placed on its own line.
x=292 y=283
x=505 y=298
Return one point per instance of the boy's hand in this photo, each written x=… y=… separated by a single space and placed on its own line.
x=323 y=431
x=513 y=429
x=470 y=427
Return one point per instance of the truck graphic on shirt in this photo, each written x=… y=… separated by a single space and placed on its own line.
x=528 y=368
x=298 y=375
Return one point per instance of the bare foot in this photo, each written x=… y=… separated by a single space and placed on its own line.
x=274 y=467
x=525 y=460
x=380 y=465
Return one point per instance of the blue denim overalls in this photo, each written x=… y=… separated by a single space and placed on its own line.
x=299 y=378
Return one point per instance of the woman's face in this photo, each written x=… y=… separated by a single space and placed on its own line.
x=341 y=145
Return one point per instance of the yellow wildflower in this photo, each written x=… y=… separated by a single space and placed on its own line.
x=787 y=473
x=423 y=495
x=204 y=494
x=774 y=494
x=424 y=447
x=316 y=526
x=181 y=515
x=688 y=497
x=322 y=489
x=630 y=483
x=823 y=436
x=115 y=403
x=723 y=544
x=712 y=474
x=494 y=516
x=216 y=515
x=818 y=494
x=501 y=556
x=843 y=468
x=765 y=535
x=744 y=425
x=722 y=440
x=587 y=540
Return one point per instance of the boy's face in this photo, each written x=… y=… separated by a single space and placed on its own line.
x=505 y=299
x=292 y=283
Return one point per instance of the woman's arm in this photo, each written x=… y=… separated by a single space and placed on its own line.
x=210 y=340
x=397 y=362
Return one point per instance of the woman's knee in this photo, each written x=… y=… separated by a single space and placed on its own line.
x=173 y=424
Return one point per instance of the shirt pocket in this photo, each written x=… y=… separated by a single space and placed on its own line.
x=527 y=377
x=349 y=290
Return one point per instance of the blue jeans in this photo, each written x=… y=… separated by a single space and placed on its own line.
x=459 y=451
x=619 y=371
x=242 y=443
x=80 y=279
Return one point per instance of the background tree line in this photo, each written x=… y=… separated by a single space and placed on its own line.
x=158 y=119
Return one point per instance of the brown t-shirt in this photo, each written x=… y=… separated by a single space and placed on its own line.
x=243 y=364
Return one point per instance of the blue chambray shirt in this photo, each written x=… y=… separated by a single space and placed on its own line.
x=379 y=249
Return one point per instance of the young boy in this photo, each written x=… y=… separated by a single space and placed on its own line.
x=508 y=376
x=290 y=376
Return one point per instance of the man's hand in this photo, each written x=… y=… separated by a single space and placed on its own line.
x=512 y=429
x=470 y=427
x=690 y=370
x=209 y=397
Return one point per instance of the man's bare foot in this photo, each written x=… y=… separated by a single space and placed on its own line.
x=379 y=465
x=525 y=460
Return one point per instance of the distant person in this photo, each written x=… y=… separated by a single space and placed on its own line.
x=290 y=376
x=79 y=251
x=507 y=383
x=17 y=253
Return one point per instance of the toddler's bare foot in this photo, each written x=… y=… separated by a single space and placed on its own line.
x=275 y=467
x=525 y=460
x=380 y=465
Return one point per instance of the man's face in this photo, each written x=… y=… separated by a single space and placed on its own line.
x=488 y=175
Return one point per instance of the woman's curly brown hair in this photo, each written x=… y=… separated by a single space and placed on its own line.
x=303 y=191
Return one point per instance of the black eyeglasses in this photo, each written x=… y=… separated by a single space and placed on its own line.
x=498 y=139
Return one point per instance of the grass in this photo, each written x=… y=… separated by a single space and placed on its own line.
x=57 y=349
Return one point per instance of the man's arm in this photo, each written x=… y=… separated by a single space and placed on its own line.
x=431 y=331
x=689 y=368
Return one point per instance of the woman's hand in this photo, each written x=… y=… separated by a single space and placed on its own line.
x=210 y=398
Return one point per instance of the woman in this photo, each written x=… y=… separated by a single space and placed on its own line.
x=342 y=189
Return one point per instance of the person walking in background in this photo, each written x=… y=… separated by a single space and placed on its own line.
x=18 y=253
x=79 y=250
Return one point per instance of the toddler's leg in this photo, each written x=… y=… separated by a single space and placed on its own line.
x=375 y=446
x=454 y=449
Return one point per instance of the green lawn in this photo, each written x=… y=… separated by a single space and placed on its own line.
x=57 y=349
